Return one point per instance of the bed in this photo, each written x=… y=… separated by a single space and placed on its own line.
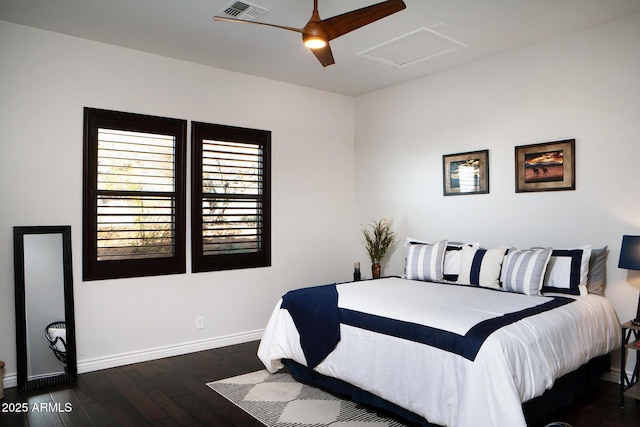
x=449 y=353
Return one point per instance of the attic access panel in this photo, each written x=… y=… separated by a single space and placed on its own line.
x=412 y=48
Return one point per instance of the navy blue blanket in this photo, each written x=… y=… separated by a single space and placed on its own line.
x=317 y=317
x=315 y=313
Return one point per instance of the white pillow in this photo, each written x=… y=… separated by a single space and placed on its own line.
x=452 y=262
x=481 y=267
x=523 y=270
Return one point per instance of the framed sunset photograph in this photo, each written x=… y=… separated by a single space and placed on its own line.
x=545 y=167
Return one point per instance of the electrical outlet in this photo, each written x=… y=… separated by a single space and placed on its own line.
x=200 y=322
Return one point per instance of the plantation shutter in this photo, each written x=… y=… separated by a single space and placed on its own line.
x=231 y=197
x=134 y=203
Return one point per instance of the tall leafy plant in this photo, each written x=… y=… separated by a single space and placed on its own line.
x=378 y=238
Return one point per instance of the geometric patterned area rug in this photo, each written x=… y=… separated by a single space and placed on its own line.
x=278 y=400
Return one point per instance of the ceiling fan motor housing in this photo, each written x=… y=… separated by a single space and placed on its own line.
x=314 y=35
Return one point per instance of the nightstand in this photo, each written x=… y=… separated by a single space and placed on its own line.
x=629 y=387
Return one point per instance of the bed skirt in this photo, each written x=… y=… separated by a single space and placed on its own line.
x=564 y=391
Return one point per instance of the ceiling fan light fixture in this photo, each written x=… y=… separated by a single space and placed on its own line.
x=314 y=42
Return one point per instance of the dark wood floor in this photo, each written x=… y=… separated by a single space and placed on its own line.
x=172 y=392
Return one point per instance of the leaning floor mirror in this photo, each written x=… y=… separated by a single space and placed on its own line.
x=45 y=326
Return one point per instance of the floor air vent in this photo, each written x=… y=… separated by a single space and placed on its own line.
x=243 y=10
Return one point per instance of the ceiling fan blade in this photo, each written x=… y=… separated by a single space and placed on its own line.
x=347 y=22
x=243 y=21
x=324 y=55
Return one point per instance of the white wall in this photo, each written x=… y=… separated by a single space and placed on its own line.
x=45 y=81
x=584 y=86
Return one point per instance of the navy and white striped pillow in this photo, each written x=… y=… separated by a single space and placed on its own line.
x=452 y=257
x=523 y=270
x=425 y=261
x=481 y=267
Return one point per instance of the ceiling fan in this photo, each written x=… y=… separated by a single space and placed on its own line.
x=318 y=32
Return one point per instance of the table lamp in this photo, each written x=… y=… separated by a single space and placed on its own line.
x=630 y=260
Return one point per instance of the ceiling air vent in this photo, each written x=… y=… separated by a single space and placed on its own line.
x=243 y=10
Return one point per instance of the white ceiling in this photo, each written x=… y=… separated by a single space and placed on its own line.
x=184 y=29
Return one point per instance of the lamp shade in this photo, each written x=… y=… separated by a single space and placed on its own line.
x=630 y=253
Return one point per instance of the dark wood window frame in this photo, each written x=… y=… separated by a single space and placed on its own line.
x=203 y=136
x=174 y=263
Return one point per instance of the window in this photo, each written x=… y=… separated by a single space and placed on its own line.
x=230 y=197
x=134 y=203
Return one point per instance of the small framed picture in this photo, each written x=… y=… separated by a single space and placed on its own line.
x=465 y=173
x=548 y=166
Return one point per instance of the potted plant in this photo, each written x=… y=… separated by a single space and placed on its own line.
x=378 y=238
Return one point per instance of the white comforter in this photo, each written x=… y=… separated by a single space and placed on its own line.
x=515 y=364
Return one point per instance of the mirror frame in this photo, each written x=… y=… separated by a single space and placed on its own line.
x=71 y=374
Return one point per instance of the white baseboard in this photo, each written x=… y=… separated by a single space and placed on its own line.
x=613 y=375
x=98 y=363
x=11 y=380
x=90 y=365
